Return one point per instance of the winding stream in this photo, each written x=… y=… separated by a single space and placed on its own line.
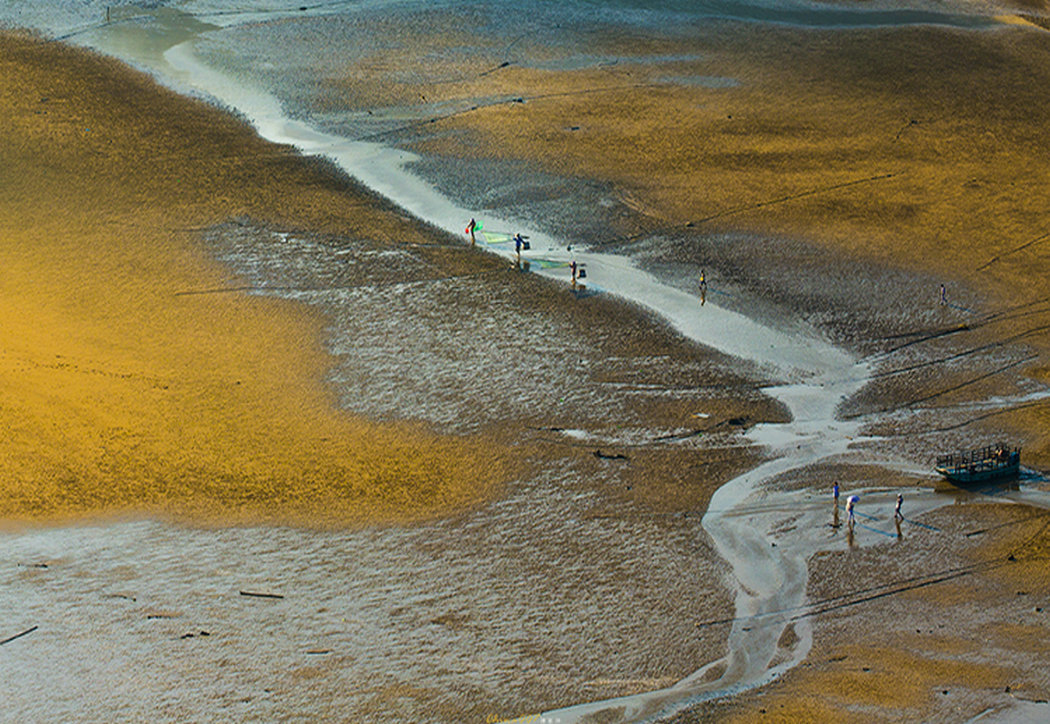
x=769 y=580
x=766 y=578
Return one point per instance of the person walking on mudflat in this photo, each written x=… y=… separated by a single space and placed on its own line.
x=897 y=507
x=703 y=287
x=850 y=502
x=944 y=295
x=572 y=268
x=517 y=248
x=470 y=230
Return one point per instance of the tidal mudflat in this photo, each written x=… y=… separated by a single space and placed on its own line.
x=545 y=501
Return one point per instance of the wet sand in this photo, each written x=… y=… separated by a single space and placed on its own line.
x=161 y=373
x=911 y=648
x=843 y=176
x=808 y=212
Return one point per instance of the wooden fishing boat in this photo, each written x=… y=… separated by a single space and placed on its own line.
x=987 y=463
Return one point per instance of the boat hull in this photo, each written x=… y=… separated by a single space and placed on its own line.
x=980 y=471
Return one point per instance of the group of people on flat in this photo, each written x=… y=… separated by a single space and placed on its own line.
x=520 y=244
x=851 y=503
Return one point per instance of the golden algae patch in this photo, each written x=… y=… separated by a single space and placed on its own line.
x=1034 y=416
x=867 y=145
x=1017 y=538
x=865 y=683
x=882 y=677
x=860 y=140
x=120 y=390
